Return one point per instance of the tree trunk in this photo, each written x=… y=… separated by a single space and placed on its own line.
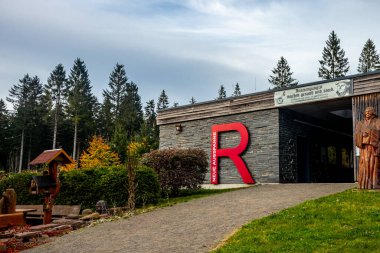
x=29 y=151
x=21 y=151
x=75 y=138
x=55 y=123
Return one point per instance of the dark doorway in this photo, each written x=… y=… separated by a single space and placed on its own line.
x=303 y=160
x=323 y=138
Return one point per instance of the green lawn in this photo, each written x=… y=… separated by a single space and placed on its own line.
x=343 y=222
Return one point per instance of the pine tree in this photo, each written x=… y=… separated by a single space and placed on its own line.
x=237 y=91
x=369 y=59
x=333 y=63
x=4 y=134
x=221 y=92
x=163 y=101
x=282 y=76
x=117 y=89
x=192 y=101
x=57 y=86
x=81 y=104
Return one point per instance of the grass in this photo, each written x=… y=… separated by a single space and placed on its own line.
x=343 y=222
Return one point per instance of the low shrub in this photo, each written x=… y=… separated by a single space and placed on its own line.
x=86 y=187
x=178 y=168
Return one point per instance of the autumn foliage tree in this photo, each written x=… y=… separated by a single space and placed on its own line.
x=98 y=154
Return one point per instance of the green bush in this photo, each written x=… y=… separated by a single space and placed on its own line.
x=20 y=182
x=86 y=187
x=178 y=168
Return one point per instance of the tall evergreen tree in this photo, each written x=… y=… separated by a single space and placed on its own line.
x=117 y=89
x=192 y=101
x=131 y=110
x=57 y=86
x=237 y=91
x=150 y=130
x=282 y=76
x=333 y=63
x=106 y=119
x=26 y=100
x=4 y=134
x=81 y=104
x=369 y=59
x=163 y=101
x=221 y=92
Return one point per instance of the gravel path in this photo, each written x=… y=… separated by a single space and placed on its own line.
x=195 y=226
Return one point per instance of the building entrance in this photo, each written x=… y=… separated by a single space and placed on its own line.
x=320 y=137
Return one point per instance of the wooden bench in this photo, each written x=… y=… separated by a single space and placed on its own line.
x=59 y=211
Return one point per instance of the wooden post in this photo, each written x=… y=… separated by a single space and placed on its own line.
x=8 y=201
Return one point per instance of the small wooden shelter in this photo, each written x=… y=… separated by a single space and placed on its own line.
x=48 y=184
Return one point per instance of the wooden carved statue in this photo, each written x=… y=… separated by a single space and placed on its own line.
x=367 y=139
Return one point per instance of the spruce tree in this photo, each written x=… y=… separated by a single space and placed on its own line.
x=237 y=91
x=221 y=92
x=282 y=76
x=131 y=111
x=117 y=89
x=163 y=101
x=333 y=63
x=192 y=101
x=81 y=104
x=369 y=59
x=57 y=86
x=150 y=131
x=106 y=118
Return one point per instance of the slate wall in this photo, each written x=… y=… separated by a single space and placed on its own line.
x=261 y=155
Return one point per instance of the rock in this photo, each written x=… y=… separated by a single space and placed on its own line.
x=93 y=216
x=26 y=236
x=87 y=212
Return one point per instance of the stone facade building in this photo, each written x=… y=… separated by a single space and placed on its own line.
x=299 y=134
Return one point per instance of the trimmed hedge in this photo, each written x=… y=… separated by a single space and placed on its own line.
x=20 y=182
x=86 y=187
x=178 y=168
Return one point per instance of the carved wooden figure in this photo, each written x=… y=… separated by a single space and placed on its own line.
x=367 y=139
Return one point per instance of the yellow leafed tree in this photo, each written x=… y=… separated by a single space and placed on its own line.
x=98 y=154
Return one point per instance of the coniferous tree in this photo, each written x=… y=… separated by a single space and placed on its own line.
x=26 y=100
x=81 y=104
x=106 y=118
x=4 y=134
x=150 y=130
x=333 y=63
x=175 y=104
x=221 y=92
x=117 y=89
x=369 y=59
x=57 y=86
x=192 y=101
x=237 y=91
x=131 y=111
x=282 y=76
x=163 y=101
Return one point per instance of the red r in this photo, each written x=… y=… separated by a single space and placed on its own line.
x=232 y=153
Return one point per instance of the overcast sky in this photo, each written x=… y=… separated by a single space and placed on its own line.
x=188 y=48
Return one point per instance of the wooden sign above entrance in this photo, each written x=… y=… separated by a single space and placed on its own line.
x=323 y=91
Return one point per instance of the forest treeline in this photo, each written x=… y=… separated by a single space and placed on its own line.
x=64 y=113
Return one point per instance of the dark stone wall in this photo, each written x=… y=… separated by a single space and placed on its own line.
x=261 y=155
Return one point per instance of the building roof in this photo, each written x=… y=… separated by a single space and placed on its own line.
x=48 y=156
